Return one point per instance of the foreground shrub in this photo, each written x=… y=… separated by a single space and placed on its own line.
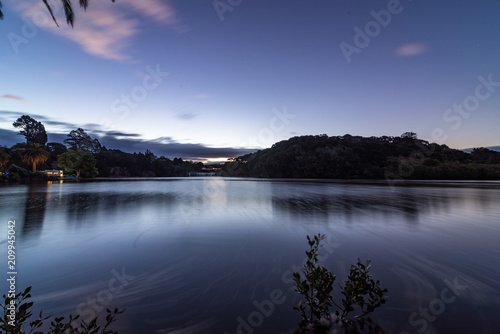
x=360 y=292
x=16 y=314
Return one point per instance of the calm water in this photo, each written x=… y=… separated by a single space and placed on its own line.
x=206 y=255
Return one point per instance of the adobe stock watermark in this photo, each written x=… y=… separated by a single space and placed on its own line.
x=460 y=111
x=455 y=115
x=29 y=29
x=95 y=304
x=213 y=188
x=265 y=309
x=122 y=105
x=427 y=314
x=265 y=137
x=372 y=29
x=223 y=6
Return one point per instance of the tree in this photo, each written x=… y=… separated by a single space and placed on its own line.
x=409 y=135
x=34 y=154
x=32 y=130
x=4 y=156
x=20 y=305
x=78 y=161
x=79 y=140
x=315 y=284
x=360 y=291
x=68 y=10
x=56 y=148
x=484 y=155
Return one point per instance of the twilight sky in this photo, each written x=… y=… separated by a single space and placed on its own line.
x=211 y=79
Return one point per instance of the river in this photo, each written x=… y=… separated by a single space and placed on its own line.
x=215 y=255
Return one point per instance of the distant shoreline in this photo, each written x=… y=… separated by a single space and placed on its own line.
x=379 y=182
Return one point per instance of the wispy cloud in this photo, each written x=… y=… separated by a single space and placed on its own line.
x=106 y=29
x=164 y=140
x=160 y=11
x=119 y=134
x=411 y=49
x=13 y=97
x=186 y=116
x=172 y=148
x=201 y=96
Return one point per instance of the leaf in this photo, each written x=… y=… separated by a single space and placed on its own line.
x=51 y=12
x=84 y=4
x=68 y=11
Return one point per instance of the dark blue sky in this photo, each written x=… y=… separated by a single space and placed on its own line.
x=245 y=74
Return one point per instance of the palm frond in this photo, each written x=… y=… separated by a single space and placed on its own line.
x=68 y=11
x=50 y=11
x=84 y=4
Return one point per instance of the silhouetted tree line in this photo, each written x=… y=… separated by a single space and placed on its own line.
x=115 y=163
x=81 y=155
x=337 y=157
x=356 y=157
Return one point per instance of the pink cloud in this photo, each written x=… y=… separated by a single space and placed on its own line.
x=201 y=96
x=161 y=12
x=13 y=97
x=411 y=49
x=105 y=30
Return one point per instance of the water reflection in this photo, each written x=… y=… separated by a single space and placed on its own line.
x=346 y=203
x=85 y=206
x=34 y=209
x=204 y=250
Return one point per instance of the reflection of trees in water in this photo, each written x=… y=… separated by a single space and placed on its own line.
x=34 y=208
x=406 y=202
x=84 y=205
x=77 y=205
x=324 y=205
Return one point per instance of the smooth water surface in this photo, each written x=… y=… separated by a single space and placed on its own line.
x=214 y=255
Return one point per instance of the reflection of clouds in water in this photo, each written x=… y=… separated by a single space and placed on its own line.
x=194 y=327
x=215 y=192
x=201 y=282
x=416 y=287
x=77 y=294
x=424 y=279
x=167 y=282
x=438 y=296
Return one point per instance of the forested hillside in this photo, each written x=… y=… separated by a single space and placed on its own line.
x=355 y=157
